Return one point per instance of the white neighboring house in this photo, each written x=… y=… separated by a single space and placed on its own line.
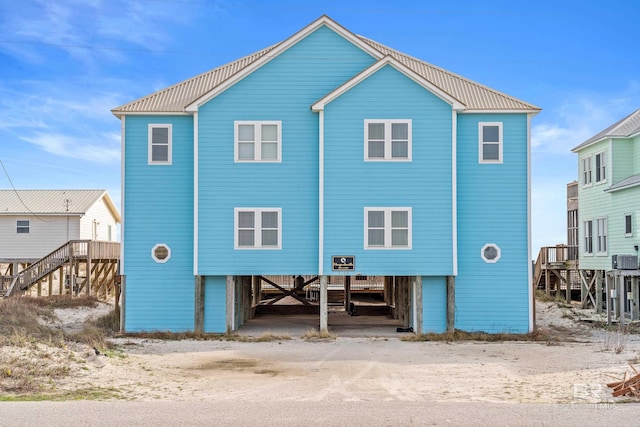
x=33 y=223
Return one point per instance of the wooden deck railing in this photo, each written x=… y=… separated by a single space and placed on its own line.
x=74 y=249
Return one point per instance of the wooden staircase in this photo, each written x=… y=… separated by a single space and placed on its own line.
x=99 y=259
x=553 y=270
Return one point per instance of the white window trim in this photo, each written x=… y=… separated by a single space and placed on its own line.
x=597 y=236
x=584 y=237
x=257 y=229
x=153 y=253
x=169 y=141
x=624 y=224
x=481 y=143
x=257 y=149
x=387 y=140
x=584 y=170
x=487 y=260
x=603 y=165
x=387 y=228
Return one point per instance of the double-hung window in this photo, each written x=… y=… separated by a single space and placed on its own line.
x=628 y=227
x=388 y=140
x=387 y=228
x=490 y=142
x=22 y=227
x=601 y=230
x=159 y=144
x=588 y=237
x=258 y=141
x=601 y=167
x=586 y=171
x=258 y=228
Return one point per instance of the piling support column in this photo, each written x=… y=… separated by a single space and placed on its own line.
x=451 y=303
x=198 y=322
x=324 y=306
x=231 y=294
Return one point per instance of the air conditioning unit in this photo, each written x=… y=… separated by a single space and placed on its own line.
x=624 y=262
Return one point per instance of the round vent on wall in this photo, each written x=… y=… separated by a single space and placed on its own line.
x=490 y=253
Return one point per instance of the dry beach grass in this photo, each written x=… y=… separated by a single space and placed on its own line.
x=66 y=350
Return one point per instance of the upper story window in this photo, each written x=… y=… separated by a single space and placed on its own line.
x=588 y=237
x=159 y=144
x=601 y=167
x=387 y=228
x=490 y=142
x=258 y=141
x=22 y=227
x=387 y=140
x=628 y=227
x=258 y=228
x=586 y=171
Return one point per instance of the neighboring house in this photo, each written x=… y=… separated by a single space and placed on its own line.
x=35 y=222
x=609 y=203
x=327 y=144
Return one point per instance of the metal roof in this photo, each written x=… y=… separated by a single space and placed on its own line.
x=52 y=202
x=626 y=127
x=632 y=181
x=175 y=99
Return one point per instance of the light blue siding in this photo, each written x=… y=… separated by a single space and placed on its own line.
x=159 y=209
x=492 y=208
x=424 y=184
x=283 y=89
x=434 y=304
x=215 y=297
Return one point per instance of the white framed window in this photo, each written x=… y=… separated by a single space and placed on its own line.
x=490 y=142
x=258 y=228
x=601 y=167
x=387 y=228
x=258 y=141
x=22 y=226
x=490 y=253
x=628 y=225
x=586 y=171
x=601 y=235
x=160 y=142
x=161 y=253
x=387 y=140
x=588 y=237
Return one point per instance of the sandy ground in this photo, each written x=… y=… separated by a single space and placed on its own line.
x=364 y=369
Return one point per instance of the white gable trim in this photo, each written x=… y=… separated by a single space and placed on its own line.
x=280 y=48
x=387 y=60
x=501 y=112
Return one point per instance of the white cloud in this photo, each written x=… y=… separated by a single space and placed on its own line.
x=102 y=148
x=580 y=116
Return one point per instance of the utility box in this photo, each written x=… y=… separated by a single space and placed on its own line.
x=624 y=262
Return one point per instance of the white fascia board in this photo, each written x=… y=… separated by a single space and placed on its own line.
x=196 y=196
x=529 y=257
x=530 y=112
x=280 y=48
x=122 y=207
x=120 y=115
x=110 y=205
x=387 y=60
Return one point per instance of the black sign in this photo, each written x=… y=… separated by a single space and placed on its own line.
x=343 y=262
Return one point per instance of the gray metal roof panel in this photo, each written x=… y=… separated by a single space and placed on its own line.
x=175 y=99
x=632 y=181
x=625 y=127
x=48 y=202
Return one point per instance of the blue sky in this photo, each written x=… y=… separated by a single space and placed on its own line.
x=64 y=64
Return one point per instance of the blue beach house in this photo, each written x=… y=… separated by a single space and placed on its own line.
x=328 y=158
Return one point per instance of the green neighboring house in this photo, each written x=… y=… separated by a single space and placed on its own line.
x=609 y=203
